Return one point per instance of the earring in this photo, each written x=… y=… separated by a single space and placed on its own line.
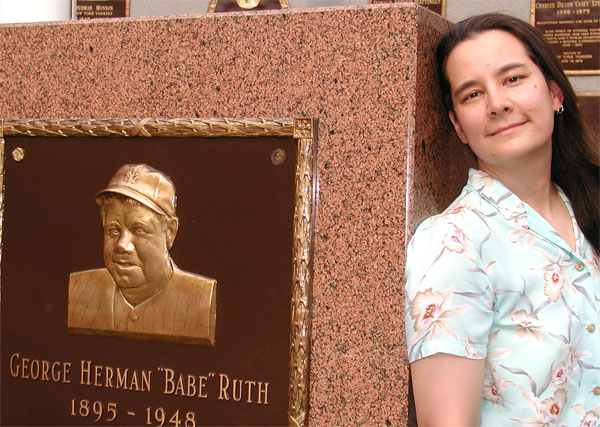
x=560 y=110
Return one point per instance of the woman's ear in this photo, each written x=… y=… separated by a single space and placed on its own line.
x=557 y=95
x=457 y=127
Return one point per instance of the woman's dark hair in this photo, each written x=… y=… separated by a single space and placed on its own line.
x=574 y=158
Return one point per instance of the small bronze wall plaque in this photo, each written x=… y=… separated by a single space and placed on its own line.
x=246 y=5
x=572 y=28
x=437 y=6
x=156 y=281
x=96 y=9
x=590 y=110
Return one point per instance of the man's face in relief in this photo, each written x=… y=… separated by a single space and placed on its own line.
x=136 y=243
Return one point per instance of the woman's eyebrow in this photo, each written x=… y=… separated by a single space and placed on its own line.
x=464 y=85
x=510 y=66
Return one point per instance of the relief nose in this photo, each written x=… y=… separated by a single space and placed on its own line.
x=124 y=244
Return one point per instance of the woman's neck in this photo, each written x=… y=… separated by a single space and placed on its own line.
x=533 y=186
x=530 y=181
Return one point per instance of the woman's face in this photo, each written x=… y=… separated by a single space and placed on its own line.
x=503 y=106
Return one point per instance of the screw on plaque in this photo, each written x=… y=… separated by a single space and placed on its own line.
x=18 y=154
x=278 y=156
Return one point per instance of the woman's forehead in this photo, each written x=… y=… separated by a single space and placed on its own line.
x=490 y=45
x=488 y=51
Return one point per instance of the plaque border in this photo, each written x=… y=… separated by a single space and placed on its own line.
x=587 y=94
x=567 y=72
x=303 y=129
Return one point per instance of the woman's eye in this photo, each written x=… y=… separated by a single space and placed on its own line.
x=471 y=95
x=513 y=79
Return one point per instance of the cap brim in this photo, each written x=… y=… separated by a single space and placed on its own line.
x=126 y=191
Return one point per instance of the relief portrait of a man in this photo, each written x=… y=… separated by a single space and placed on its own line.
x=141 y=293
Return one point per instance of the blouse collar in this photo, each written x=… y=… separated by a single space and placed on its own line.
x=513 y=209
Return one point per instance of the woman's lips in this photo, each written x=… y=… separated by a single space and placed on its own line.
x=507 y=129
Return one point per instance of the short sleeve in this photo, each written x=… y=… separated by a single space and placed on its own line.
x=449 y=299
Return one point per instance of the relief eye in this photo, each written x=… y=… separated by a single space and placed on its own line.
x=113 y=232
x=139 y=231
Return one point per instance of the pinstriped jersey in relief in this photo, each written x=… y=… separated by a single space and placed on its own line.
x=184 y=311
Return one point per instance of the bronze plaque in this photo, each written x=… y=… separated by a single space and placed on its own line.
x=590 y=110
x=246 y=5
x=91 y=223
x=437 y=6
x=572 y=28
x=96 y=9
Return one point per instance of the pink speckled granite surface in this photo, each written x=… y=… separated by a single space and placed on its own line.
x=438 y=161
x=365 y=72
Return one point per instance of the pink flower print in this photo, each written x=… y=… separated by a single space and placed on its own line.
x=459 y=210
x=480 y=177
x=516 y=212
x=554 y=278
x=456 y=240
x=491 y=392
x=526 y=324
x=522 y=231
x=430 y=309
x=560 y=376
x=547 y=411
x=494 y=386
x=471 y=351
x=589 y=418
x=574 y=358
x=593 y=263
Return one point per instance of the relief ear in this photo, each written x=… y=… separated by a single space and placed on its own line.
x=457 y=127
x=171 y=231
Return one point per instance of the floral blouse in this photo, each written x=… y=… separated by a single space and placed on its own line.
x=489 y=278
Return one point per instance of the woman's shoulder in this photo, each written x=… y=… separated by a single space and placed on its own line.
x=466 y=213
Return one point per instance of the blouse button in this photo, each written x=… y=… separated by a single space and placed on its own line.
x=579 y=266
x=597 y=389
x=134 y=317
x=591 y=327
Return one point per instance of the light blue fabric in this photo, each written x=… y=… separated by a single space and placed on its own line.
x=490 y=278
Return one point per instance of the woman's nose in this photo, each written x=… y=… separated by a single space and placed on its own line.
x=497 y=103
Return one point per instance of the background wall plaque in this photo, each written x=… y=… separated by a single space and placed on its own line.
x=437 y=6
x=572 y=28
x=246 y=207
x=246 y=5
x=590 y=109
x=96 y=9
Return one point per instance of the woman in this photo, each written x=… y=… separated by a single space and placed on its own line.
x=503 y=287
